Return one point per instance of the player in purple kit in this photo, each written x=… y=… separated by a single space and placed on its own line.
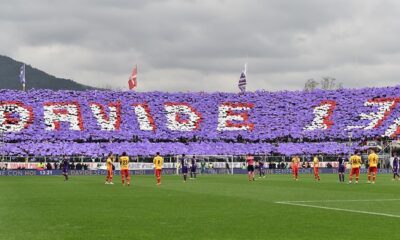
x=65 y=163
x=341 y=168
x=184 y=166
x=193 y=167
x=261 y=169
x=395 y=167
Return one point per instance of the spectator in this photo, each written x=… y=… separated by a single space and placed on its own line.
x=78 y=166
x=283 y=166
x=40 y=166
x=48 y=166
x=228 y=169
x=203 y=166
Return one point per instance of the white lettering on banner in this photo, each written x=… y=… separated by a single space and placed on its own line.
x=14 y=116
x=322 y=119
x=376 y=119
x=55 y=113
x=144 y=118
x=393 y=129
x=230 y=120
x=174 y=117
x=111 y=122
x=232 y=116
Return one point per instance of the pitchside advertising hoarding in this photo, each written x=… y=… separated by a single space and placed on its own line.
x=149 y=166
x=169 y=171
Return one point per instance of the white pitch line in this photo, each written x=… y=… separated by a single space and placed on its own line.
x=339 y=209
x=347 y=200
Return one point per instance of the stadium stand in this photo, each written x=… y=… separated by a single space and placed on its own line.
x=92 y=123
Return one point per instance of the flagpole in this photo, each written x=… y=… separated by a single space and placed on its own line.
x=23 y=84
x=245 y=65
x=136 y=73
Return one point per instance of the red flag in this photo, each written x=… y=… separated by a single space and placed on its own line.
x=132 y=80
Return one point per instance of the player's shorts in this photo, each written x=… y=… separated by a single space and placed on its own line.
x=396 y=170
x=65 y=171
x=355 y=171
x=316 y=169
x=157 y=172
x=341 y=168
x=193 y=169
x=109 y=172
x=250 y=168
x=184 y=169
x=124 y=172
x=373 y=169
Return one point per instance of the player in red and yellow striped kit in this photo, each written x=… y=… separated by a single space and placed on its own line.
x=109 y=164
x=295 y=167
x=316 y=168
x=124 y=162
x=158 y=162
x=355 y=161
x=373 y=166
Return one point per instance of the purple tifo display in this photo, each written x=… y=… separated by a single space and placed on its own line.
x=45 y=122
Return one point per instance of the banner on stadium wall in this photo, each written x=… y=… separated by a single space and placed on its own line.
x=148 y=115
x=93 y=123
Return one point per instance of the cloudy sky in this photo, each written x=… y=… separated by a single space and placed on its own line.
x=202 y=45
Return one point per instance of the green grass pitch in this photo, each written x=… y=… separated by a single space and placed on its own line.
x=210 y=207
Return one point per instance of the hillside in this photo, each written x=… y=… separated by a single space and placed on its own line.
x=9 y=78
